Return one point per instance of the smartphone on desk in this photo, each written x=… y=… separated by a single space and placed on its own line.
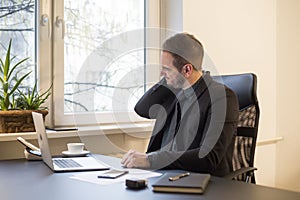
x=113 y=174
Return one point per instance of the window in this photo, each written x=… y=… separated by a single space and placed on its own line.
x=17 y=22
x=92 y=51
x=89 y=25
x=102 y=48
x=93 y=39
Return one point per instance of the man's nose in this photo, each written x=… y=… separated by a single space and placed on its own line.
x=162 y=72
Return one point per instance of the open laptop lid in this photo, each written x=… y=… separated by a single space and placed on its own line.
x=86 y=163
x=42 y=138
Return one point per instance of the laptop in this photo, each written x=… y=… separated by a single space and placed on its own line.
x=62 y=164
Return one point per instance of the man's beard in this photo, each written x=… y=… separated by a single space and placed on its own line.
x=179 y=81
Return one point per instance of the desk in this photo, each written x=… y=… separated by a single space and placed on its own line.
x=30 y=180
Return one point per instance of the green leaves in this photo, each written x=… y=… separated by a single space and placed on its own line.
x=32 y=100
x=11 y=97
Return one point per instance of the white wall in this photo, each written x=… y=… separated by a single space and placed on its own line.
x=288 y=97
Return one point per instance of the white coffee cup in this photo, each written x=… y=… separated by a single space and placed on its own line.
x=75 y=147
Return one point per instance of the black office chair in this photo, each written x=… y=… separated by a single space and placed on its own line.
x=244 y=85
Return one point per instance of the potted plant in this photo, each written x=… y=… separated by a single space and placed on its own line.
x=16 y=105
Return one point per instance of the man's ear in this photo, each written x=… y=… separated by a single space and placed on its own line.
x=187 y=70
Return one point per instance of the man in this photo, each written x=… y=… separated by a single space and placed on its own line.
x=196 y=117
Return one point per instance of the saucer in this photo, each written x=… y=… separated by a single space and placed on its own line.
x=69 y=154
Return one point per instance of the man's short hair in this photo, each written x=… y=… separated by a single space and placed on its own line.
x=185 y=49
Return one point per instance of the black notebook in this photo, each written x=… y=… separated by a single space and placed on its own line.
x=192 y=183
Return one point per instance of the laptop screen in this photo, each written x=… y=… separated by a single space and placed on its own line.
x=42 y=138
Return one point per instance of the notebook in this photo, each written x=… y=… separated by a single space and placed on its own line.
x=62 y=164
x=193 y=183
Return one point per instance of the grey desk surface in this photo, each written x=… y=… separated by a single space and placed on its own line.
x=24 y=180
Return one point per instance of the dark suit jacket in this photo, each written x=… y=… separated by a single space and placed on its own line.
x=207 y=131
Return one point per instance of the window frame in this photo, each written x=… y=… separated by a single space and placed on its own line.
x=49 y=60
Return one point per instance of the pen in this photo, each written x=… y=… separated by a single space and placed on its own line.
x=174 y=178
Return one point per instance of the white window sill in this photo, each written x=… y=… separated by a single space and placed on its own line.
x=132 y=128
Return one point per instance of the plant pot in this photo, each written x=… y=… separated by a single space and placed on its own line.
x=15 y=121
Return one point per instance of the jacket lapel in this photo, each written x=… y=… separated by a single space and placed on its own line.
x=201 y=88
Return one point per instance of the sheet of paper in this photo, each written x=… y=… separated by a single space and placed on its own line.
x=92 y=177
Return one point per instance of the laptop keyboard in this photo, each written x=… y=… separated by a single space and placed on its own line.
x=66 y=163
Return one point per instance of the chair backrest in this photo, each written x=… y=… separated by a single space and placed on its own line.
x=244 y=85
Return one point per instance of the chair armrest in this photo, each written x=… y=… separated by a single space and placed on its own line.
x=240 y=171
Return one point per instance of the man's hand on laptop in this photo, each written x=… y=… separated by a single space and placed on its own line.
x=134 y=159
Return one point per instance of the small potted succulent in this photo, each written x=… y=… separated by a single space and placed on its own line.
x=17 y=104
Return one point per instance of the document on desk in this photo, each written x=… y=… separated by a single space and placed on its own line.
x=92 y=177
